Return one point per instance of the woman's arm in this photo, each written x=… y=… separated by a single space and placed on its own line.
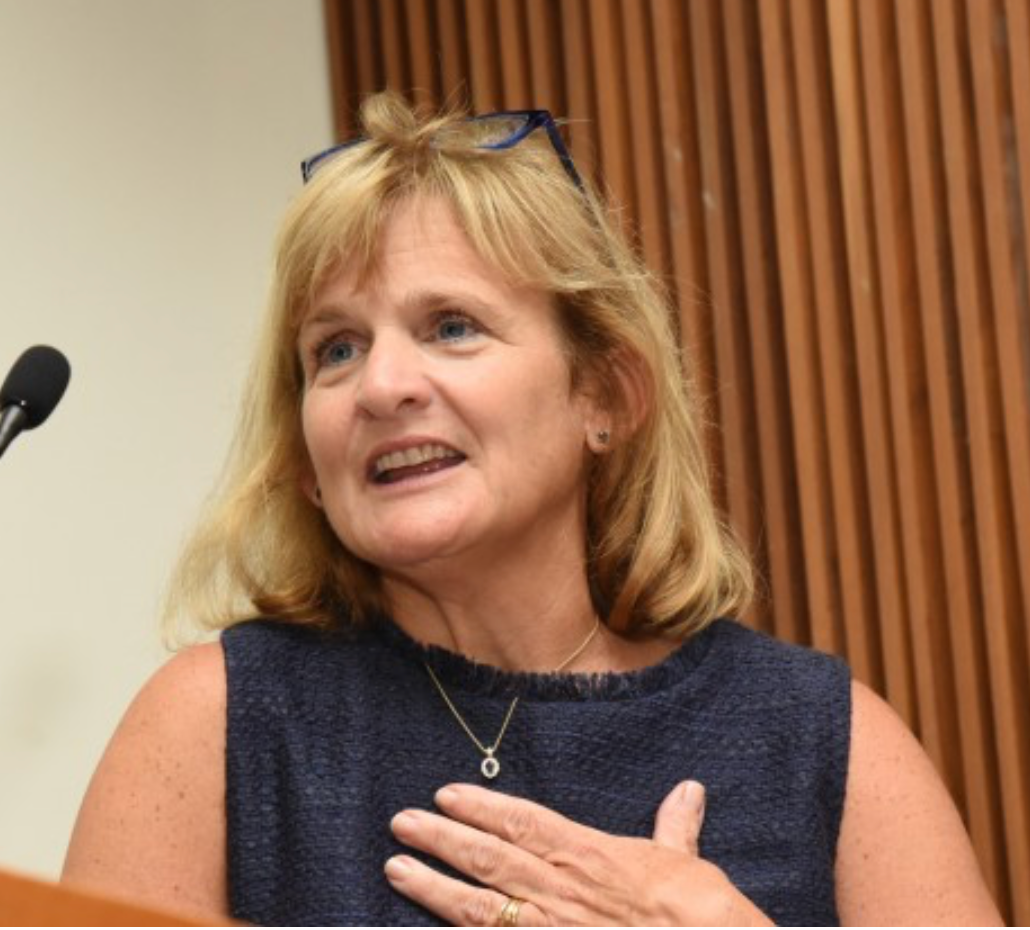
x=903 y=856
x=152 y=824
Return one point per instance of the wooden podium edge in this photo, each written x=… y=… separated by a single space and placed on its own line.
x=34 y=902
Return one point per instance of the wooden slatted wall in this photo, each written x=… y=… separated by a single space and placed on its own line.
x=838 y=192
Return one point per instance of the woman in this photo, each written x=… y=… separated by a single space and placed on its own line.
x=490 y=684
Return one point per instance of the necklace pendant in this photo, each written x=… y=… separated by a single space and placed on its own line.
x=490 y=766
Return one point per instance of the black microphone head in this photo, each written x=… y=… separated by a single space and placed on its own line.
x=36 y=383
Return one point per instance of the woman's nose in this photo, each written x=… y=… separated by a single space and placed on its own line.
x=392 y=377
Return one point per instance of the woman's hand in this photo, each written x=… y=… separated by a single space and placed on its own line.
x=560 y=872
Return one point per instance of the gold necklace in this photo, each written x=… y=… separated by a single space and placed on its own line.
x=490 y=766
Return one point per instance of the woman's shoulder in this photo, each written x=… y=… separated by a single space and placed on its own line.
x=187 y=690
x=164 y=769
x=904 y=856
x=197 y=671
x=180 y=711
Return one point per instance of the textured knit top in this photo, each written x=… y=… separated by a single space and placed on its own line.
x=330 y=735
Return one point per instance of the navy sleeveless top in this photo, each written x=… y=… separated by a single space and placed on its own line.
x=331 y=734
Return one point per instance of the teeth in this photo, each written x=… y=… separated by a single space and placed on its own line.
x=416 y=455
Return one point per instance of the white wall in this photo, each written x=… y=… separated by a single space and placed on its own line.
x=147 y=150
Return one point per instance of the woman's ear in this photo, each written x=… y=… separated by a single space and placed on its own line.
x=619 y=402
x=309 y=487
x=598 y=437
x=635 y=390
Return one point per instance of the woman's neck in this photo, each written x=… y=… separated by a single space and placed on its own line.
x=534 y=627
x=530 y=627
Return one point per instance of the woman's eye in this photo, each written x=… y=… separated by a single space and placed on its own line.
x=334 y=351
x=455 y=329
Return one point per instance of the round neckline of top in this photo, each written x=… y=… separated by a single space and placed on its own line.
x=463 y=674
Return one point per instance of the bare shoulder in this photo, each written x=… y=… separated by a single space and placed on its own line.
x=152 y=823
x=904 y=856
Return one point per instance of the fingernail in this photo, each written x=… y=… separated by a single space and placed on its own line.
x=398 y=868
x=694 y=795
x=404 y=824
x=445 y=797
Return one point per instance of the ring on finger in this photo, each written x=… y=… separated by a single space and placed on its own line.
x=509 y=916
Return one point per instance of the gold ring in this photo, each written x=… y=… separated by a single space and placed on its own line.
x=510 y=913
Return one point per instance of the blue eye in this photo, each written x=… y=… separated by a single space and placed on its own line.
x=455 y=329
x=335 y=351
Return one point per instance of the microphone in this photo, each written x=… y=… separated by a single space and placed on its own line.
x=33 y=387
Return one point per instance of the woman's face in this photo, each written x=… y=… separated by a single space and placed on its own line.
x=437 y=411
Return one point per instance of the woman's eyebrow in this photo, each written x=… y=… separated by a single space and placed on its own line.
x=333 y=313
x=326 y=313
x=435 y=298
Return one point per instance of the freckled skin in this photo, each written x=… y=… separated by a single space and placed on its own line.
x=152 y=824
x=903 y=854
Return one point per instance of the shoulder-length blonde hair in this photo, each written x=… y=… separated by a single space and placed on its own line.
x=659 y=558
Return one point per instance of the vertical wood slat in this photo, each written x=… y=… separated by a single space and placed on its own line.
x=676 y=130
x=484 y=55
x=863 y=294
x=341 y=71
x=786 y=611
x=731 y=345
x=903 y=378
x=978 y=370
x=420 y=30
x=683 y=138
x=697 y=313
x=1010 y=445
x=452 y=55
x=545 y=56
x=994 y=118
x=682 y=179
x=839 y=191
x=581 y=85
x=362 y=26
x=834 y=341
x=393 y=45
x=881 y=367
x=514 y=53
x=615 y=152
x=1017 y=14
x=643 y=130
x=936 y=312
x=804 y=369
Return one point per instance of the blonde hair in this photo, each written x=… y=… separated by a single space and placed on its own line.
x=659 y=558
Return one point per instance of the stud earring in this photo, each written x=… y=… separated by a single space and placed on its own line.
x=603 y=436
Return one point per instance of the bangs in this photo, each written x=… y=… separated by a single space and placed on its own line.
x=336 y=222
x=518 y=209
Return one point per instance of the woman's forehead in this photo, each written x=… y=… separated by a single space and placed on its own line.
x=423 y=238
x=421 y=248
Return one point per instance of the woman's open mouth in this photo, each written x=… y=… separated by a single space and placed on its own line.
x=416 y=460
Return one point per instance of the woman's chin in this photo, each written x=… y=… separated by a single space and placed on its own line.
x=413 y=546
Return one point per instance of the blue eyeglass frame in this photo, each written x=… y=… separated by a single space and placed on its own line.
x=532 y=121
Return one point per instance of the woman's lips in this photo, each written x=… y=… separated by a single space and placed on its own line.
x=418 y=459
x=393 y=475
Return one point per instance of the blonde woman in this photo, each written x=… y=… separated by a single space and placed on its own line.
x=477 y=660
